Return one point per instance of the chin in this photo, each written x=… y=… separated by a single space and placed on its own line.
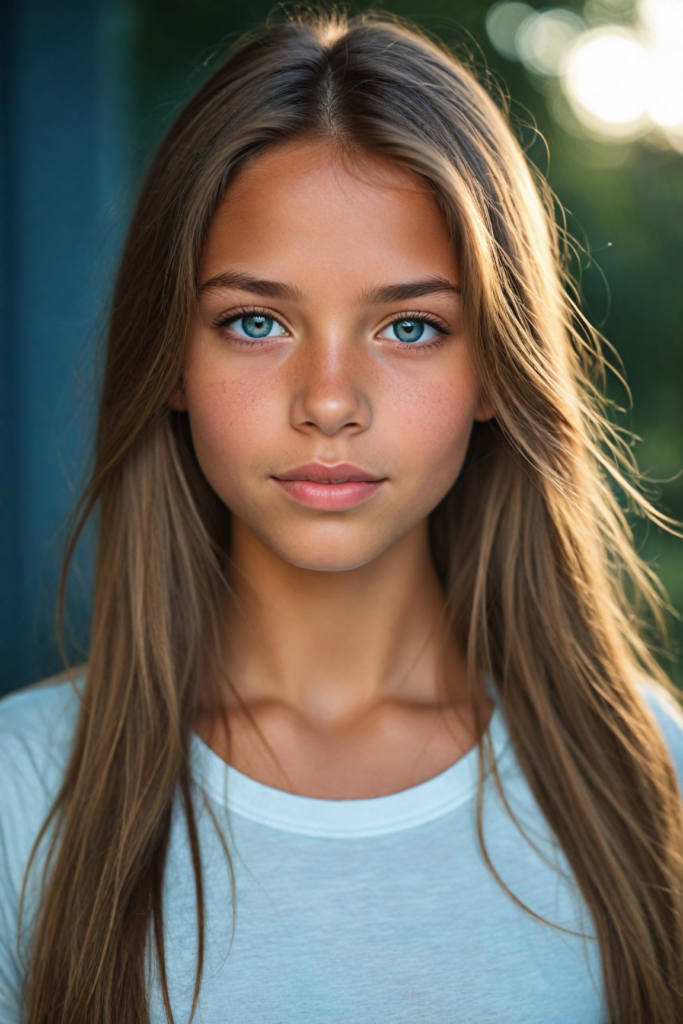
x=330 y=564
x=331 y=553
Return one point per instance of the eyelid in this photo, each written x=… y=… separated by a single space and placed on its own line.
x=431 y=319
x=428 y=318
x=239 y=311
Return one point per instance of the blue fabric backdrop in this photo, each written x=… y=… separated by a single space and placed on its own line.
x=62 y=193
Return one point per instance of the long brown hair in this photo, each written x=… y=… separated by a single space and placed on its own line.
x=535 y=555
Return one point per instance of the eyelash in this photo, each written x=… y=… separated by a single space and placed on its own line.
x=441 y=328
x=234 y=314
x=426 y=318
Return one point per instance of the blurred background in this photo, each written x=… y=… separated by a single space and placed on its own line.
x=88 y=88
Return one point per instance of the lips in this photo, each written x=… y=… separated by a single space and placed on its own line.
x=329 y=488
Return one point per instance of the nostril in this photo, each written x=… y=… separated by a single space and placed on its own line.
x=331 y=411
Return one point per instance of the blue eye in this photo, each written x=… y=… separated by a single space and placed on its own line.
x=256 y=326
x=410 y=330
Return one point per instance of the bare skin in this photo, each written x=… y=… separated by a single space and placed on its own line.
x=347 y=684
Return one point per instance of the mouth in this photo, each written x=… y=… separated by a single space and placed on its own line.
x=329 y=488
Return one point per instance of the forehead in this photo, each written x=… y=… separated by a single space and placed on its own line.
x=302 y=208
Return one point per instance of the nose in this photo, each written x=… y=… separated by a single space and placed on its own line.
x=327 y=396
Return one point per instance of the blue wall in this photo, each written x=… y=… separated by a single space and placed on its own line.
x=62 y=182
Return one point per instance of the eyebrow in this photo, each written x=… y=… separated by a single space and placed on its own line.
x=233 y=279
x=410 y=290
x=246 y=283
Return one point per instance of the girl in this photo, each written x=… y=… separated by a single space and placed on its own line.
x=363 y=735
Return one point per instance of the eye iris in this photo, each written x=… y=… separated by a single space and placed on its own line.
x=257 y=325
x=409 y=330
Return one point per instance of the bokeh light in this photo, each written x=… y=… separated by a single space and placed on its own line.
x=544 y=38
x=666 y=102
x=620 y=69
x=502 y=23
x=607 y=78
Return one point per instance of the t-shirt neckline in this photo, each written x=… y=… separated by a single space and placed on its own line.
x=337 y=819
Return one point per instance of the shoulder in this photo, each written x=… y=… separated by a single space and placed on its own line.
x=40 y=720
x=36 y=734
x=668 y=714
x=33 y=709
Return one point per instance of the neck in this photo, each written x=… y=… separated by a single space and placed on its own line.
x=333 y=644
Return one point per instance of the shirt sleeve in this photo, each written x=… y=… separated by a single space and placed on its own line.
x=18 y=804
x=669 y=717
x=35 y=733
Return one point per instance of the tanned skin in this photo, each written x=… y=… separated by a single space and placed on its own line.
x=335 y=647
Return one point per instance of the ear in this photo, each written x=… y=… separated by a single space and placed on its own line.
x=176 y=399
x=485 y=410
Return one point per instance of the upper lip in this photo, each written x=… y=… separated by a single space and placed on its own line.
x=341 y=473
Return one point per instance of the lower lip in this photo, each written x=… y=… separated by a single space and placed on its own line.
x=330 y=497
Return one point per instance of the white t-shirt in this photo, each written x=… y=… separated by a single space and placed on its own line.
x=347 y=911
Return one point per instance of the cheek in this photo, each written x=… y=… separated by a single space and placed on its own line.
x=434 y=421
x=232 y=421
x=421 y=424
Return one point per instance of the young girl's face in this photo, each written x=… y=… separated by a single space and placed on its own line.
x=329 y=382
